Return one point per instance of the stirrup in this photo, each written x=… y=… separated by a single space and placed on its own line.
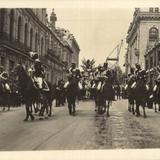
x=46 y=86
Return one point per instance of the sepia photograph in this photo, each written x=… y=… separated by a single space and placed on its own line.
x=80 y=76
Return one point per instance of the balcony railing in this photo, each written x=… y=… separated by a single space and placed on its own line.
x=14 y=43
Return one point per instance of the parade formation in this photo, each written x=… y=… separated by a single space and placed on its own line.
x=99 y=103
x=98 y=84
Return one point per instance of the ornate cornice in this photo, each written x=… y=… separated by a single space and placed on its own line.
x=141 y=16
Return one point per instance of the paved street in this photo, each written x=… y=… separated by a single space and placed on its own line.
x=86 y=130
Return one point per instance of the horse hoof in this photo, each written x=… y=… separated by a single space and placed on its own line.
x=26 y=119
x=32 y=118
x=40 y=118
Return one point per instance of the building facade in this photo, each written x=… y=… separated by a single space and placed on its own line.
x=152 y=61
x=28 y=30
x=141 y=36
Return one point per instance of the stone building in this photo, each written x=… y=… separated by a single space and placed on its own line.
x=70 y=41
x=25 y=30
x=152 y=61
x=141 y=35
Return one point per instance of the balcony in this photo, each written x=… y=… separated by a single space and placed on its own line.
x=14 y=43
x=52 y=53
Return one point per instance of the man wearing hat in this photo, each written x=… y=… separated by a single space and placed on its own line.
x=38 y=72
x=72 y=68
x=4 y=80
x=138 y=70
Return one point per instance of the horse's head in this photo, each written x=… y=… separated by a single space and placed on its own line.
x=20 y=73
x=18 y=70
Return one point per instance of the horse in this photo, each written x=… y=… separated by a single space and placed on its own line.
x=26 y=88
x=130 y=91
x=31 y=94
x=108 y=94
x=104 y=95
x=72 y=91
x=5 y=94
x=156 y=96
x=140 y=95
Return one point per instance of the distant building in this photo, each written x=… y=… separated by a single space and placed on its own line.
x=70 y=41
x=152 y=61
x=25 y=30
x=143 y=32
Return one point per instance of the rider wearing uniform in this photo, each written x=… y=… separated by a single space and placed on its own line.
x=5 y=81
x=38 y=73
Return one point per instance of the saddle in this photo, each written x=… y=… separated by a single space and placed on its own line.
x=40 y=83
x=6 y=87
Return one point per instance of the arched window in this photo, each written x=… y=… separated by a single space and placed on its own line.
x=19 y=29
x=11 y=31
x=36 y=42
x=25 y=34
x=42 y=46
x=153 y=34
x=2 y=20
x=31 y=38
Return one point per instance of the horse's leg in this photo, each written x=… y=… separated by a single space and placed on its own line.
x=129 y=106
x=69 y=108
x=50 y=108
x=108 y=108
x=133 y=111
x=3 y=108
x=155 y=107
x=30 y=110
x=144 y=106
x=158 y=107
x=137 y=109
x=27 y=112
x=105 y=106
x=74 y=106
x=144 y=111
x=8 y=102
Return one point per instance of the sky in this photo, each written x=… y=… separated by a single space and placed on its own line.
x=97 y=30
x=97 y=25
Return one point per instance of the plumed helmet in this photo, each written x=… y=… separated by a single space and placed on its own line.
x=105 y=65
x=34 y=55
x=4 y=75
x=158 y=78
x=108 y=73
x=73 y=64
x=137 y=65
x=37 y=61
x=1 y=68
x=143 y=72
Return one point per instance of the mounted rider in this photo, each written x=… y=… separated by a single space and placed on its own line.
x=4 y=79
x=73 y=73
x=37 y=73
x=104 y=73
x=138 y=70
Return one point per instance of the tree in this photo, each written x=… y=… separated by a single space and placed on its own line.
x=88 y=65
x=120 y=76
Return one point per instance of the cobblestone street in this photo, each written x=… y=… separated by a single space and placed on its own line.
x=86 y=130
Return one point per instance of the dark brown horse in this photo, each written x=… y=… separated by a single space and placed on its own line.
x=156 y=95
x=72 y=91
x=5 y=94
x=105 y=95
x=31 y=94
x=140 y=94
